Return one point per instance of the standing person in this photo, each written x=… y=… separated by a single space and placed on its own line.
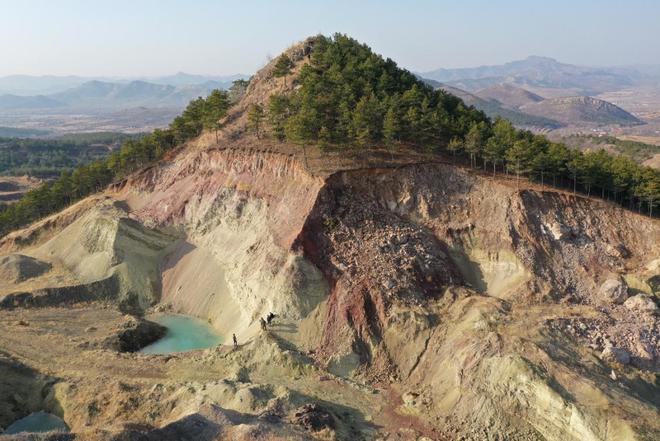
x=233 y=336
x=262 y=322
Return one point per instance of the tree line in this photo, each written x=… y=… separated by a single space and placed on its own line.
x=71 y=186
x=348 y=97
x=47 y=158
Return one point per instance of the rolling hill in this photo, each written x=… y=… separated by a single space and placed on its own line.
x=509 y=95
x=493 y=108
x=527 y=109
x=581 y=110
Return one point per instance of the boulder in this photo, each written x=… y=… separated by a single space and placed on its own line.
x=641 y=303
x=313 y=417
x=611 y=353
x=613 y=291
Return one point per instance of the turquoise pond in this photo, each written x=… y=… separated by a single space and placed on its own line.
x=37 y=422
x=184 y=333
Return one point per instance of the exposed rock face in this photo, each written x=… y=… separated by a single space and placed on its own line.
x=407 y=274
x=134 y=335
x=613 y=291
x=416 y=300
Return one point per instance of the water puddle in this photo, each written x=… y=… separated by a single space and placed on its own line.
x=184 y=333
x=37 y=422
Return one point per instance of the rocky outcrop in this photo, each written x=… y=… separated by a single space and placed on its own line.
x=16 y=268
x=134 y=335
x=105 y=289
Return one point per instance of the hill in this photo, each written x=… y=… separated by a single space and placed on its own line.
x=581 y=110
x=493 y=108
x=415 y=295
x=509 y=95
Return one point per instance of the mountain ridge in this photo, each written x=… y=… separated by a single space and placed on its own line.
x=27 y=85
x=97 y=94
x=536 y=71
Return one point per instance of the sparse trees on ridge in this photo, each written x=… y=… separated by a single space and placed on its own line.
x=133 y=154
x=348 y=97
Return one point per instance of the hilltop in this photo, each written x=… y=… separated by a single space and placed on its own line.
x=416 y=295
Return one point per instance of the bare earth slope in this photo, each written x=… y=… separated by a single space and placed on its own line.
x=414 y=299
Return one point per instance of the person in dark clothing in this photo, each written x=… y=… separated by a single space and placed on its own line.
x=233 y=336
x=270 y=317
x=262 y=322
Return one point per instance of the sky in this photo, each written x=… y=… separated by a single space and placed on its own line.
x=217 y=37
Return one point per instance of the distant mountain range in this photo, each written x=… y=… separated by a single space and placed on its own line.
x=169 y=92
x=537 y=92
x=29 y=85
x=542 y=73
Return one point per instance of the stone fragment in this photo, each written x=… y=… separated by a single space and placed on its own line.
x=613 y=291
x=641 y=303
x=619 y=355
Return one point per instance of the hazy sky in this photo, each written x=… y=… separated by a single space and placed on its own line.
x=154 y=37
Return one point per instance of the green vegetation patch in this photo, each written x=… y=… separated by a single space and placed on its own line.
x=47 y=158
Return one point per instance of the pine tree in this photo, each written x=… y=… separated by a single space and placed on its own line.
x=475 y=140
x=518 y=158
x=256 y=115
x=391 y=126
x=283 y=67
x=494 y=152
x=367 y=120
x=237 y=90
x=216 y=106
x=277 y=114
x=455 y=145
x=324 y=138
